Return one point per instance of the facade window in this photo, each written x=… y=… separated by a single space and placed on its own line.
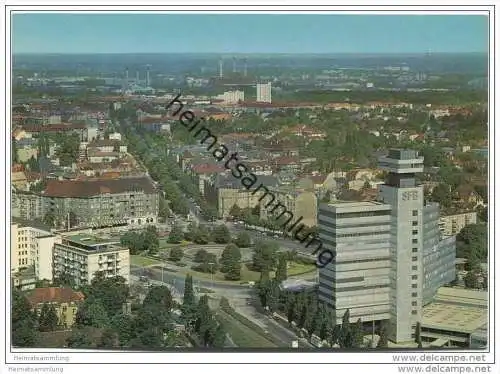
x=414 y=258
x=413 y=312
x=413 y=303
x=414 y=232
x=414 y=241
x=414 y=267
x=414 y=294
x=415 y=213
x=414 y=277
x=413 y=285
x=414 y=223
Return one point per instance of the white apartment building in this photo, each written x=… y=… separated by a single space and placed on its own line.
x=453 y=224
x=32 y=247
x=264 y=92
x=81 y=256
x=233 y=97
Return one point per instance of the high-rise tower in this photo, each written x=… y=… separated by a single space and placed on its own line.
x=407 y=199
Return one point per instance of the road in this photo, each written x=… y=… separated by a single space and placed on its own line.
x=240 y=297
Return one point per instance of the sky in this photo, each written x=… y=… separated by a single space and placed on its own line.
x=247 y=33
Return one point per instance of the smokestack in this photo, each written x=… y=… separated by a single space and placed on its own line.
x=245 y=67
x=220 y=68
x=234 y=64
x=147 y=77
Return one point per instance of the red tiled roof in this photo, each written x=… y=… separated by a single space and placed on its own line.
x=54 y=295
x=207 y=169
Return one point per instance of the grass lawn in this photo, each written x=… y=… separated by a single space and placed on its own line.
x=246 y=275
x=296 y=268
x=241 y=334
x=139 y=260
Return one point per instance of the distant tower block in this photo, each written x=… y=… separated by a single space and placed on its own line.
x=234 y=64
x=220 y=68
x=137 y=77
x=147 y=77
x=245 y=67
x=126 y=74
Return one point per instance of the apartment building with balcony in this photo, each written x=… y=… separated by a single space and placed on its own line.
x=453 y=224
x=82 y=256
x=31 y=253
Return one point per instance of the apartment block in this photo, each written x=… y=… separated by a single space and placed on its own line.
x=301 y=203
x=31 y=250
x=100 y=202
x=453 y=224
x=81 y=256
x=264 y=92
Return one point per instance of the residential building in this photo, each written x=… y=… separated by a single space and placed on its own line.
x=300 y=202
x=419 y=260
x=100 y=202
x=233 y=97
x=453 y=224
x=264 y=92
x=82 y=256
x=64 y=300
x=31 y=247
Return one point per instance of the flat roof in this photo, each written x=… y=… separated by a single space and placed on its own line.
x=345 y=203
x=456 y=310
x=90 y=240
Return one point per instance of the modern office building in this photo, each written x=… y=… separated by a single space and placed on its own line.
x=358 y=233
x=82 y=256
x=403 y=228
x=264 y=92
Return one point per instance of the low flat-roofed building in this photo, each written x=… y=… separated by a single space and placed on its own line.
x=455 y=315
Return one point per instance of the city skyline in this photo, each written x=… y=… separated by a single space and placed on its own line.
x=248 y=33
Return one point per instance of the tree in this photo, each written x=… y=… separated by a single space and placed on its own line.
x=236 y=212
x=191 y=232
x=221 y=235
x=418 y=330
x=176 y=235
x=188 y=302
x=176 y=254
x=109 y=339
x=23 y=321
x=202 y=235
x=346 y=338
x=233 y=272
x=79 y=339
x=49 y=219
x=231 y=255
x=15 y=157
x=159 y=297
x=219 y=338
x=290 y=307
x=443 y=195
x=358 y=334
x=281 y=271
x=383 y=342
x=243 y=240
x=150 y=239
x=91 y=313
x=264 y=257
x=200 y=256
x=48 y=320
x=471 y=279
x=112 y=293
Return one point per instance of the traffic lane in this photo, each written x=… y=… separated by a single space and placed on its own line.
x=178 y=279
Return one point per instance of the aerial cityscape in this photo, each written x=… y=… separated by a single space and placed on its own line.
x=285 y=183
